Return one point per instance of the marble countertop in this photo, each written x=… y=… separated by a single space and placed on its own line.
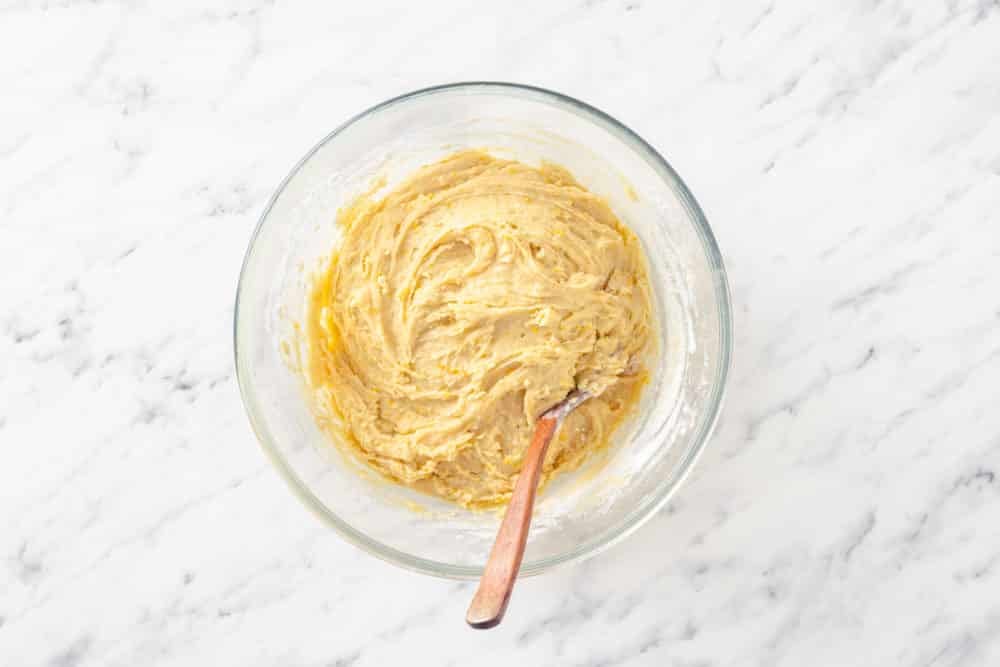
x=847 y=511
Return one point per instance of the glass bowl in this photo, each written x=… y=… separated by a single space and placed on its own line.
x=579 y=513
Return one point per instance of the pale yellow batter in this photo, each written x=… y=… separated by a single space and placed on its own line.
x=463 y=304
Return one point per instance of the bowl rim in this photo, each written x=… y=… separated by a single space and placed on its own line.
x=638 y=515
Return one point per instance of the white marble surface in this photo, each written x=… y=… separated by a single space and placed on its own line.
x=847 y=511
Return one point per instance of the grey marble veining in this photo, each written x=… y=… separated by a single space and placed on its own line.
x=846 y=512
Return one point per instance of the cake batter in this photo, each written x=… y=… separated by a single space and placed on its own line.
x=463 y=304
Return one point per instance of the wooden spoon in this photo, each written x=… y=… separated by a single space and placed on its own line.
x=490 y=601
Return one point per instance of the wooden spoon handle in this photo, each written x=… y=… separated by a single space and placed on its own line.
x=490 y=601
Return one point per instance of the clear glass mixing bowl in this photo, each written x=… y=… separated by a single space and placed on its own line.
x=579 y=513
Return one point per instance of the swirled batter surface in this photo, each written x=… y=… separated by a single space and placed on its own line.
x=463 y=304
